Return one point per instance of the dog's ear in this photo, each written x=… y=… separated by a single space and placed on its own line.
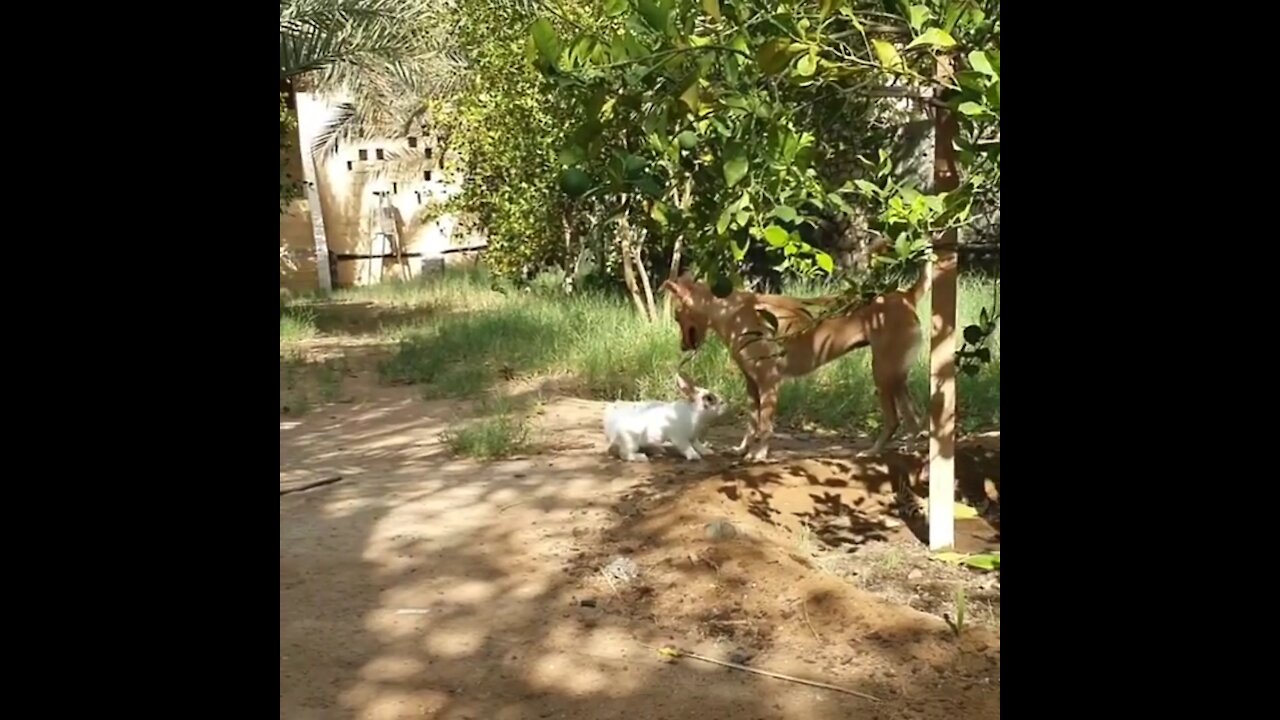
x=686 y=386
x=677 y=289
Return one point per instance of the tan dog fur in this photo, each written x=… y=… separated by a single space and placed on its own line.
x=888 y=325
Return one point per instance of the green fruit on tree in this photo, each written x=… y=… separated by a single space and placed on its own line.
x=574 y=182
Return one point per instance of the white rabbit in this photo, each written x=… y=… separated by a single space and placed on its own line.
x=630 y=426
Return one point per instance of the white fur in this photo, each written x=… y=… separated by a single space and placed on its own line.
x=631 y=426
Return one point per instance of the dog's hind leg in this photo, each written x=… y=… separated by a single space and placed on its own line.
x=891 y=357
x=889 y=409
x=908 y=412
x=906 y=405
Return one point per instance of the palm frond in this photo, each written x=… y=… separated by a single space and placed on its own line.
x=315 y=34
x=383 y=101
x=382 y=59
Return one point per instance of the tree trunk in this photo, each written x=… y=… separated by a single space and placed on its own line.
x=678 y=249
x=566 y=219
x=651 y=308
x=570 y=258
x=673 y=272
x=942 y=355
x=628 y=272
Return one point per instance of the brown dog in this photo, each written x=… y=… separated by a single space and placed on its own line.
x=888 y=324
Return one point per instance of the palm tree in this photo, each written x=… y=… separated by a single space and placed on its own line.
x=387 y=56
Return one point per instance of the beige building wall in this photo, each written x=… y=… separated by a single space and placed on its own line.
x=346 y=183
x=297 y=246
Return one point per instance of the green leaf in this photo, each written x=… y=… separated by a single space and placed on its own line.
x=972 y=108
x=888 y=55
x=824 y=261
x=614 y=8
x=973 y=334
x=546 y=40
x=867 y=187
x=978 y=61
x=953 y=14
x=722 y=224
x=656 y=15
x=633 y=164
x=807 y=65
x=692 y=94
x=852 y=16
x=776 y=236
x=786 y=213
x=949 y=556
x=972 y=81
x=711 y=8
x=960 y=511
x=572 y=155
x=919 y=15
x=687 y=139
x=649 y=185
x=772 y=56
x=984 y=561
x=935 y=37
x=574 y=182
x=984 y=318
x=735 y=164
x=659 y=213
x=581 y=52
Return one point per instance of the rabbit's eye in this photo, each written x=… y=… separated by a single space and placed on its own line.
x=711 y=399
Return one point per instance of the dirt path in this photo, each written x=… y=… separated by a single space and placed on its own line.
x=423 y=586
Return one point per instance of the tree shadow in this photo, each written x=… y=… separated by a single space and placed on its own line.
x=428 y=587
x=366 y=318
x=845 y=502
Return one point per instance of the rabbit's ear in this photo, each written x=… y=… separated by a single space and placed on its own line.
x=686 y=386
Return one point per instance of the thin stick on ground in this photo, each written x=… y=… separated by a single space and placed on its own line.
x=612 y=585
x=673 y=653
x=804 y=605
x=311 y=485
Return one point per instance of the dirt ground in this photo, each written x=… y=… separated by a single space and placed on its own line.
x=423 y=586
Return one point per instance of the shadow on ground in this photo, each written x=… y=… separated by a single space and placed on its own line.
x=422 y=586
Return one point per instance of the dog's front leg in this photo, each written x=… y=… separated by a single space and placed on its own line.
x=753 y=418
x=764 y=427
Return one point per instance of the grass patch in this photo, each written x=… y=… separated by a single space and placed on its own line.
x=480 y=337
x=303 y=383
x=297 y=323
x=502 y=432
